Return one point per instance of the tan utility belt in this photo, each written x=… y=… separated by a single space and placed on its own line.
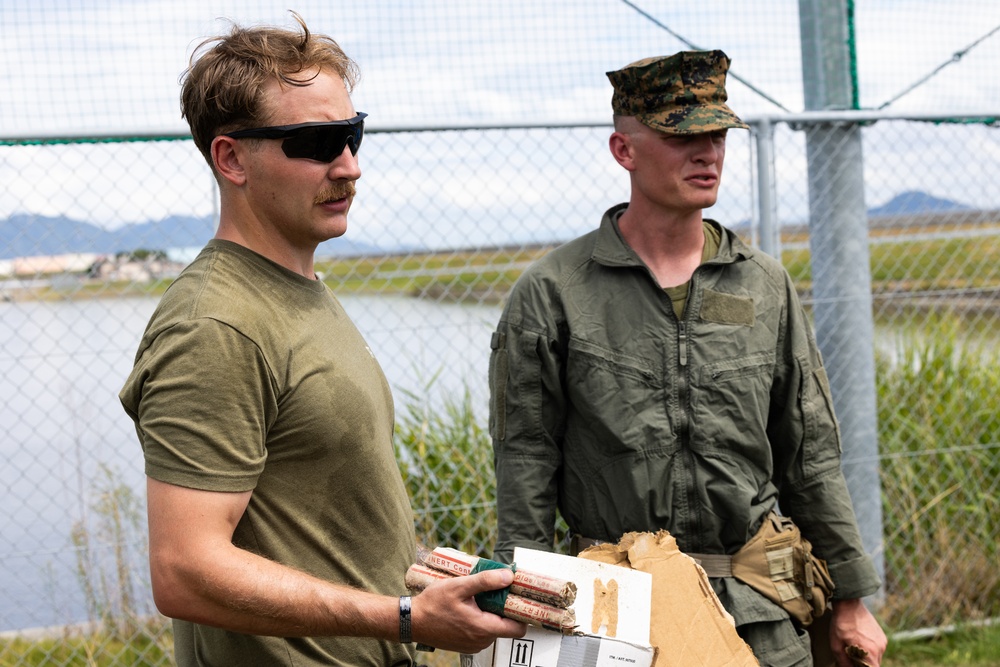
x=715 y=565
x=777 y=562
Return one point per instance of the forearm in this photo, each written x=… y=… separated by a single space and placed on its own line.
x=234 y=589
x=242 y=592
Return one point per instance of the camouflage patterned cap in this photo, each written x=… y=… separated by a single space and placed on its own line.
x=680 y=94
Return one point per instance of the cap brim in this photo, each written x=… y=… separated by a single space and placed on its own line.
x=693 y=119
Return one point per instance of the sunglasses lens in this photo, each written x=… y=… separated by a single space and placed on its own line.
x=324 y=142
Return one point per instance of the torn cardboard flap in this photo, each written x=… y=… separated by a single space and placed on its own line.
x=688 y=625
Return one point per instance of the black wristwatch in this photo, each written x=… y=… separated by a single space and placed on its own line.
x=405 y=627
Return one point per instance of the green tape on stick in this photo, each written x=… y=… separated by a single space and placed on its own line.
x=492 y=601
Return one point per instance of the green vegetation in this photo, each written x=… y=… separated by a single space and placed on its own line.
x=939 y=434
x=90 y=289
x=967 y=646
x=484 y=275
x=142 y=255
x=145 y=648
x=446 y=459
x=926 y=264
x=108 y=586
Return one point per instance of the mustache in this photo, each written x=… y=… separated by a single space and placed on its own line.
x=336 y=191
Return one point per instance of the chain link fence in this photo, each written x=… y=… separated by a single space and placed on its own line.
x=451 y=208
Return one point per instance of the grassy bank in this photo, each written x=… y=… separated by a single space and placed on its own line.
x=979 y=646
x=151 y=646
x=899 y=267
x=965 y=647
x=487 y=274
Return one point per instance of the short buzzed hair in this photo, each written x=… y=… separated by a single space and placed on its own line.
x=222 y=87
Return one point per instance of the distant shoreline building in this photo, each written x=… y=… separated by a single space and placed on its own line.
x=122 y=266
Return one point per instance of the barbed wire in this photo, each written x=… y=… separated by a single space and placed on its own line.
x=692 y=45
x=955 y=57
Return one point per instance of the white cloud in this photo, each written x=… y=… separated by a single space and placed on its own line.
x=93 y=66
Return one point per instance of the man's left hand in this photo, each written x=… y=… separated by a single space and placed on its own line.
x=852 y=625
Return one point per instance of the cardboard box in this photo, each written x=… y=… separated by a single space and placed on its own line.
x=544 y=648
x=666 y=613
x=612 y=612
x=688 y=624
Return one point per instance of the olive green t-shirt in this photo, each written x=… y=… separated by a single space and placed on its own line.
x=251 y=377
x=679 y=293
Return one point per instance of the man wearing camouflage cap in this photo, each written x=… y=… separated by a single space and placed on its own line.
x=657 y=373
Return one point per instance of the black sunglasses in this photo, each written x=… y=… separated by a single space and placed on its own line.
x=313 y=141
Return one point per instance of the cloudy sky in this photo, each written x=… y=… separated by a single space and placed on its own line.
x=72 y=67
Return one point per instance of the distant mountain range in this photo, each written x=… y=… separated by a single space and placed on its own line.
x=915 y=202
x=26 y=235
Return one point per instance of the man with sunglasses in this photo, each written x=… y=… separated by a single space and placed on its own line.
x=280 y=530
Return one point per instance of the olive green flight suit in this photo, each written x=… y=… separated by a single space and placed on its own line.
x=606 y=405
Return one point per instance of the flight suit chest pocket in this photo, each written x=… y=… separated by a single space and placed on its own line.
x=624 y=398
x=588 y=360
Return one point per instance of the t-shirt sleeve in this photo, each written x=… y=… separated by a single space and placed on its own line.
x=202 y=398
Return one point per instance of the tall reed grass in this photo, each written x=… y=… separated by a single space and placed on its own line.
x=446 y=458
x=939 y=437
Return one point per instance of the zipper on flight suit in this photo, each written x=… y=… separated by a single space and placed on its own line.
x=688 y=493
x=682 y=352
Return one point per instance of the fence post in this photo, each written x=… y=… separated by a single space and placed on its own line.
x=841 y=274
x=770 y=232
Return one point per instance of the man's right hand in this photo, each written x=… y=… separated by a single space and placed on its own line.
x=445 y=615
